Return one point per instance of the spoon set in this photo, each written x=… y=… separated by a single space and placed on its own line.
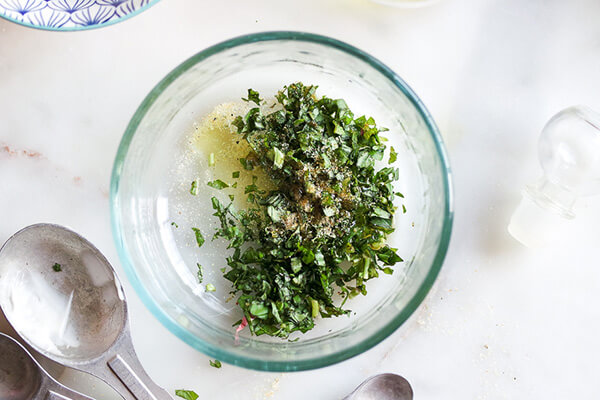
x=63 y=298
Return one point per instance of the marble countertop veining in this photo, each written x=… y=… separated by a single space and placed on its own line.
x=502 y=322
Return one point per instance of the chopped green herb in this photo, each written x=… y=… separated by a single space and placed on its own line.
x=393 y=156
x=296 y=265
x=278 y=158
x=253 y=96
x=324 y=229
x=403 y=209
x=235 y=174
x=217 y=184
x=200 y=273
x=57 y=267
x=259 y=310
x=314 y=308
x=216 y=363
x=186 y=394
x=194 y=188
x=246 y=164
x=199 y=237
x=210 y=287
x=174 y=224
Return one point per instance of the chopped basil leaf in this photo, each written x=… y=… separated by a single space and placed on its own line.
x=296 y=265
x=216 y=363
x=259 y=310
x=246 y=164
x=200 y=273
x=393 y=156
x=314 y=308
x=278 y=158
x=194 y=188
x=57 y=267
x=199 y=237
x=217 y=184
x=274 y=213
x=253 y=96
x=186 y=394
x=378 y=212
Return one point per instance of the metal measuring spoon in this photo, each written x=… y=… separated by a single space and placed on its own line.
x=382 y=387
x=63 y=298
x=23 y=378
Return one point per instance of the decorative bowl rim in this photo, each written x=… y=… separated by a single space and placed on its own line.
x=112 y=21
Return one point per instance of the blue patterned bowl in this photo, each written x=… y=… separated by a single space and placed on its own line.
x=70 y=15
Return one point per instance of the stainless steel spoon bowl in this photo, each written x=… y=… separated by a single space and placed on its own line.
x=22 y=378
x=63 y=298
x=383 y=387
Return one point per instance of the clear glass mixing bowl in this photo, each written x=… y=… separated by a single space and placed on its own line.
x=156 y=162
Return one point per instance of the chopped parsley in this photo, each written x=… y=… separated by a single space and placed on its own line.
x=323 y=230
x=57 y=267
x=186 y=394
x=216 y=363
x=174 y=224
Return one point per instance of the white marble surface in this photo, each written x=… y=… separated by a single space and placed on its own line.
x=503 y=322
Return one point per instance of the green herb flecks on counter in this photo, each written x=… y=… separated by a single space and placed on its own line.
x=186 y=394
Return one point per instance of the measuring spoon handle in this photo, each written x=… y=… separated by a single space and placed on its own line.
x=56 y=391
x=123 y=371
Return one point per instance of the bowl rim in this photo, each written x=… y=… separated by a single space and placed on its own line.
x=317 y=361
x=82 y=27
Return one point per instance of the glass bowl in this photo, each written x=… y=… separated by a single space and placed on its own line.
x=153 y=211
